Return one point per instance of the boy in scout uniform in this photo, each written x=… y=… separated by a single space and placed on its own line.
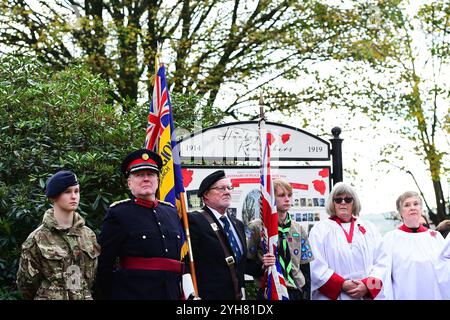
x=59 y=258
x=294 y=252
x=141 y=238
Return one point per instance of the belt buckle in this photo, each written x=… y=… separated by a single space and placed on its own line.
x=229 y=260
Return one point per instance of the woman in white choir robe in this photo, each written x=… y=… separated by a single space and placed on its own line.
x=344 y=248
x=443 y=269
x=412 y=263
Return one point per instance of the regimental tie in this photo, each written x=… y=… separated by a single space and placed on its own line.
x=231 y=238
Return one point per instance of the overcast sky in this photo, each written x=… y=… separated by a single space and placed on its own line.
x=378 y=189
x=378 y=185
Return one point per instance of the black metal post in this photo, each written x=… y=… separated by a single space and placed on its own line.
x=336 y=153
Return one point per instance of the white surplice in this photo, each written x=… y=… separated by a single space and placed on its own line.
x=333 y=254
x=443 y=269
x=409 y=265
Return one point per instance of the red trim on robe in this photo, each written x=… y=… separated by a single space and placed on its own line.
x=349 y=236
x=339 y=221
x=373 y=292
x=332 y=288
x=403 y=227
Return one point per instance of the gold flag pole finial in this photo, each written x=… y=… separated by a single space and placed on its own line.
x=158 y=57
x=158 y=62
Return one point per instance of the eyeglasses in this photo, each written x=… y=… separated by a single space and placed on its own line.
x=339 y=200
x=224 y=188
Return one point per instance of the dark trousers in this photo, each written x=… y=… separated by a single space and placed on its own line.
x=294 y=294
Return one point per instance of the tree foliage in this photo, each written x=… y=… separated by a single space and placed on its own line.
x=408 y=85
x=51 y=121
x=223 y=51
x=191 y=113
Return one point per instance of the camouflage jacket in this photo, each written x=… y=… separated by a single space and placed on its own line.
x=298 y=244
x=58 y=263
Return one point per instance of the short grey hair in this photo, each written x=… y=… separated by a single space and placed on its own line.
x=339 y=189
x=405 y=195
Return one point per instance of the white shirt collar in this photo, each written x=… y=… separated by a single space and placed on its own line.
x=217 y=214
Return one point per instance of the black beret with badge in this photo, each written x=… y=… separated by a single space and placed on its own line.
x=142 y=159
x=59 y=182
x=209 y=181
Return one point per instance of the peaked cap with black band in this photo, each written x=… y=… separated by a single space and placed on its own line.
x=142 y=159
x=209 y=181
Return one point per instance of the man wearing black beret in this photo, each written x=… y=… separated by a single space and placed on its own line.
x=141 y=238
x=218 y=242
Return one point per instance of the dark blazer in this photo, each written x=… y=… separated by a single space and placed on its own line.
x=213 y=274
x=132 y=230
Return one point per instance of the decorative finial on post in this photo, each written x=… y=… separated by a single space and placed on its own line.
x=336 y=131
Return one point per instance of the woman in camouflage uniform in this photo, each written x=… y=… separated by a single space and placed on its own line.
x=59 y=258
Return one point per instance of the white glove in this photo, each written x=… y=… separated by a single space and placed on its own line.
x=188 y=287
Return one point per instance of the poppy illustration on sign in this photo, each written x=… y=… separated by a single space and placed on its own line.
x=285 y=137
x=187 y=176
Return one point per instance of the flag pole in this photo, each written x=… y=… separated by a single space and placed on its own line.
x=184 y=217
x=181 y=204
x=188 y=238
x=158 y=64
x=264 y=236
x=158 y=55
x=274 y=284
x=261 y=155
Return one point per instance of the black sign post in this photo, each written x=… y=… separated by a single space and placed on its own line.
x=336 y=154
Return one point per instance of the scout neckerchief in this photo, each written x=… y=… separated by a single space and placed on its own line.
x=349 y=236
x=284 y=256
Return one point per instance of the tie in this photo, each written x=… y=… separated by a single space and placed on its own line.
x=231 y=238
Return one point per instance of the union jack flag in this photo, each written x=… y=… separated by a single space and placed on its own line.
x=274 y=281
x=160 y=139
x=159 y=113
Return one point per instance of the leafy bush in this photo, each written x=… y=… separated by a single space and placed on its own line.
x=52 y=120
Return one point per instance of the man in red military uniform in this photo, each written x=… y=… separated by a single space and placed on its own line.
x=141 y=238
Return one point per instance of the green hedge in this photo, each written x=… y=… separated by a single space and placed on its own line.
x=52 y=120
